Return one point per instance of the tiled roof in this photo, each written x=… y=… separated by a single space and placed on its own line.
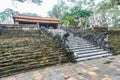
x=36 y=19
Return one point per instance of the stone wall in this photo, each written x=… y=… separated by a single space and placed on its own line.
x=13 y=30
x=19 y=33
x=19 y=26
x=114 y=40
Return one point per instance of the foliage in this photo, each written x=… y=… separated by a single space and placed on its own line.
x=85 y=23
x=86 y=4
x=6 y=15
x=108 y=12
x=2 y=17
x=70 y=20
x=115 y=16
x=77 y=12
x=63 y=12
x=30 y=14
x=58 y=9
x=63 y=17
x=105 y=5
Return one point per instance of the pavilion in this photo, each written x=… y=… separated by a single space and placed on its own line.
x=39 y=21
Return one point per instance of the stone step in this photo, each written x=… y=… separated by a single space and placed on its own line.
x=93 y=57
x=83 y=48
x=78 y=55
x=79 y=44
x=87 y=51
x=30 y=57
x=78 y=39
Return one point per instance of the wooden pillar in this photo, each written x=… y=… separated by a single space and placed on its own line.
x=47 y=26
x=38 y=26
x=57 y=26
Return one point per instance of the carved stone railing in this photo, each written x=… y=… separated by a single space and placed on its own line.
x=71 y=30
x=44 y=31
x=62 y=40
x=101 y=41
x=91 y=38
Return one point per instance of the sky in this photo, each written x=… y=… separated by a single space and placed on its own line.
x=25 y=7
x=42 y=10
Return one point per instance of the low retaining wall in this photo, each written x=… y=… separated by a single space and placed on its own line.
x=19 y=33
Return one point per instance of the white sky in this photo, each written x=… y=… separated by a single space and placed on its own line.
x=32 y=8
x=40 y=10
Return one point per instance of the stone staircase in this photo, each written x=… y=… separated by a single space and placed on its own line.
x=83 y=50
x=27 y=52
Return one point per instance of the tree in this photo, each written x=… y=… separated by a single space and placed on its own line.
x=86 y=4
x=29 y=14
x=7 y=15
x=115 y=14
x=58 y=9
x=108 y=13
x=70 y=21
x=82 y=9
x=76 y=13
x=63 y=17
x=103 y=6
x=2 y=17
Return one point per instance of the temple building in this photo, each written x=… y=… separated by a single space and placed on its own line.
x=39 y=21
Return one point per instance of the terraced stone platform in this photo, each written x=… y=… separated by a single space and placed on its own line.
x=29 y=51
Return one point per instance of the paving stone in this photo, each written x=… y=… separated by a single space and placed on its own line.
x=56 y=77
x=66 y=76
x=94 y=78
x=93 y=68
x=21 y=76
x=106 y=79
x=92 y=73
x=71 y=79
x=87 y=70
x=10 y=78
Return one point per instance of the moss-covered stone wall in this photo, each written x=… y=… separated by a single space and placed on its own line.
x=114 y=40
